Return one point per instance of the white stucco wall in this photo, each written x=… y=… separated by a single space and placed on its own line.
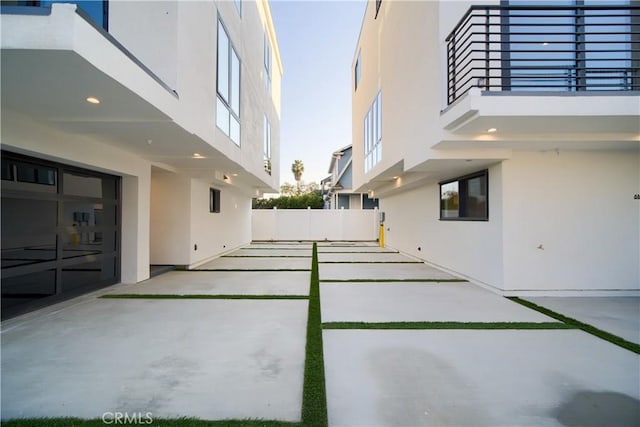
x=217 y=233
x=170 y=218
x=579 y=206
x=470 y=248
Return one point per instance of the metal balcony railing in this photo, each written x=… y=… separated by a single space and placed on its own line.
x=544 y=48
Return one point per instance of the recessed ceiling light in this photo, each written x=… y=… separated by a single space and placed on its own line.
x=491 y=130
x=93 y=100
x=197 y=156
x=234 y=174
x=395 y=177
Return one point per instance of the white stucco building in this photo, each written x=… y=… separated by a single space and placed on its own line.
x=502 y=140
x=133 y=133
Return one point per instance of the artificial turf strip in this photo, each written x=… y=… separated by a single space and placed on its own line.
x=248 y=269
x=446 y=325
x=393 y=280
x=201 y=296
x=266 y=256
x=314 y=394
x=370 y=262
x=614 y=339
x=157 y=422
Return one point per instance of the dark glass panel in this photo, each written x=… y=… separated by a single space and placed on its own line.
x=35 y=174
x=7 y=170
x=27 y=288
x=28 y=231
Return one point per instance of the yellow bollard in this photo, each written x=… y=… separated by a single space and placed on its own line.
x=381 y=239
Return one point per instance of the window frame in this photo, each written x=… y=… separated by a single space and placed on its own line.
x=267 y=62
x=463 y=196
x=373 y=134
x=214 y=200
x=232 y=97
x=358 y=70
x=266 y=147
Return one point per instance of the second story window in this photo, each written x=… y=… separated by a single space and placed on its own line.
x=358 y=70
x=373 y=134
x=97 y=10
x=267 y=145
x=267 y=63
x=228 y=102
x=238 y=4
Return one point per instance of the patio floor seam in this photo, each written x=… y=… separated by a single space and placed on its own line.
x=585 y=327
x=447 y=325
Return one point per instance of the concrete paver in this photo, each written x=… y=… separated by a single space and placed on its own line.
x=479 y=378
x=222 y=283
x=257 y=251
x=210 y=359
x=413 y=302
x=281 y=245
x=363 y=257
x=617 y=315
x=347 y=249
x=262 y=263
x=380 y=271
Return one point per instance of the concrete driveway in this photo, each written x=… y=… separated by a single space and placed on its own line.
x=196 y=353
x=204 y=358
x=466 y=377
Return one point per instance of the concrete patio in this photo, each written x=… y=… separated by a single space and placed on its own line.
x=239 y=358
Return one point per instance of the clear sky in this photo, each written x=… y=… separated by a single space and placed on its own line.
x=317 y=40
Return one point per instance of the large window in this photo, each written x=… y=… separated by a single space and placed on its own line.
x=228 y=104
x=465 y=198
x=373 y=134
x=267 y=63
x=97 y=10
x=267 y=145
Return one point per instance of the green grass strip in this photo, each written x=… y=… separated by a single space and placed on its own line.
x=357 y=252
x=446 y=325
x=248 y=269
x=370 y=262
x=314 y=394
x=613 y=339
x=156 y=422
x=266 y=256
x=393 y=280
x=200 y=296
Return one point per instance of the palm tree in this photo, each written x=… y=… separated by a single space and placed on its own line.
x=297 y=168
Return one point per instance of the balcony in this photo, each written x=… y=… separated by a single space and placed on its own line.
x=544 y=48
x=533 y=71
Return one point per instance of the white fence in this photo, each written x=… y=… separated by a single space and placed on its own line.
x=314 y=224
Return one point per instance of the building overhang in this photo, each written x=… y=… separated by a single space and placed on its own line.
x=589 y=117
x=51 y=64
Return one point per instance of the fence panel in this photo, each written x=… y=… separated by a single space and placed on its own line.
x=314 y=224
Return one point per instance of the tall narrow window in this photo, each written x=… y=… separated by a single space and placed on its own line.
x=373 y=134
x=228 y=103
x=358 y=70
x=238 y=4
x=267 y=145
x=267 y=63
x=214 y=200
